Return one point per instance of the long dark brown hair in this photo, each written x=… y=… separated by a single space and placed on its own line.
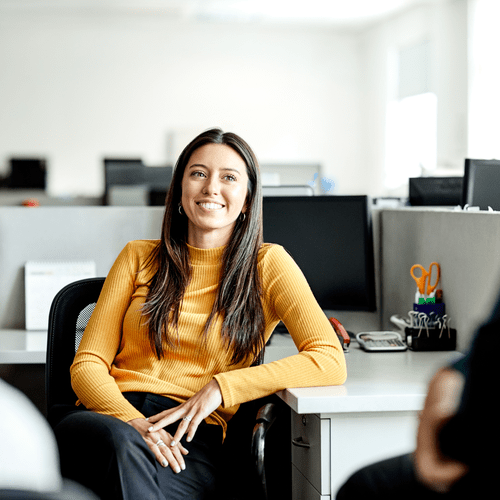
x=238 y=299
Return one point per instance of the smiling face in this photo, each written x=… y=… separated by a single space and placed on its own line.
x=214 y=190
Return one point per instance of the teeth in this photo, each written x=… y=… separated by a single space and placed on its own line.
x=210 y=206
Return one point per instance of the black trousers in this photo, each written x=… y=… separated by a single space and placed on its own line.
x=111 y=458
x=395 y=479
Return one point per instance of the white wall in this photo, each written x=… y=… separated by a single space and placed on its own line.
x=484 y=105
x=444 y=25
x=77 y=88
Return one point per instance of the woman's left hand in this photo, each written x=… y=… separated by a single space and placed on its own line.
x=192 y=412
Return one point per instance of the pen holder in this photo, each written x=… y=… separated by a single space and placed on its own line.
x=431 y=339
x=438 y=309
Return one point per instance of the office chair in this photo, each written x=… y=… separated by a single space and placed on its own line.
x=244 y=463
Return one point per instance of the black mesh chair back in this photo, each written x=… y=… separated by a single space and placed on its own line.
x=69 y=314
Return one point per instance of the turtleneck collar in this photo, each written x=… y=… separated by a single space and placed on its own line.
x=205 y=256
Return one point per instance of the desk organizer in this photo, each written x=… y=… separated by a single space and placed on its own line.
x=431 y=339
x=437 y=309
x=430 y=329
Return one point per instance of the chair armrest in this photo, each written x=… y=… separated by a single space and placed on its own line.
x=265 y=418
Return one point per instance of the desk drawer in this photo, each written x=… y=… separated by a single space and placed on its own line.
x=311 y=450
x=302 y=488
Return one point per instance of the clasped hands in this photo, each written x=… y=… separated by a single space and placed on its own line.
x=168 y=449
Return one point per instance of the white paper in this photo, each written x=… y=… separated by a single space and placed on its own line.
x=43 y=280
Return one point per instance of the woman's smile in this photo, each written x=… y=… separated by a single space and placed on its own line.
x=210 y=206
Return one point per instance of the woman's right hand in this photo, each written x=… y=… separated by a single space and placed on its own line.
x=166 y=455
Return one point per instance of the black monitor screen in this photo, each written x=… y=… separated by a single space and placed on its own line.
x=330 y=239
x=123 y=172
x=436 y=191
x=482 y=184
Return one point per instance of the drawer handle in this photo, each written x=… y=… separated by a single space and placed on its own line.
x=300 y=442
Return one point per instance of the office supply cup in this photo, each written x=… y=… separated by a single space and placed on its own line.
x=430 y=333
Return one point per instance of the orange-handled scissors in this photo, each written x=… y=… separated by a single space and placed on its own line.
x=420 y=280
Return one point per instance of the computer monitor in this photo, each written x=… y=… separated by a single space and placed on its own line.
x=330 y=238
x=482 y=184
x=27 y=173
x=435 y=191
x=123 y=172
x=158 y=180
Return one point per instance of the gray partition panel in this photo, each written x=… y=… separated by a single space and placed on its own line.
x=465 y=244
x=70 y=233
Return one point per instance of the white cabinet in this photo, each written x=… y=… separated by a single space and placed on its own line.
x=327 y=449
x=338 y=429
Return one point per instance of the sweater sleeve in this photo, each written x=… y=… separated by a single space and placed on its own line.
x=320 y=360
x=90 y=371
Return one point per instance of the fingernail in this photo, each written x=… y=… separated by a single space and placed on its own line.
x=183 y=467
x=150 y=429
x=177 y=470
x=188 y=439
x=164 y=463
x=172 y=443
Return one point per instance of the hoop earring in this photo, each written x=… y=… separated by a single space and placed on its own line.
x=180 y=209
x=242 y=219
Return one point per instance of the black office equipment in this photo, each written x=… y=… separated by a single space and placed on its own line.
x=330 y=238
x=482 y=184
x=431 y=339
x=122 y=175
x=158 y=181
x=27 y=173
x=435 y=191
x=123 y=172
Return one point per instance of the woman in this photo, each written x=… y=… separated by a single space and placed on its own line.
x=175 y=341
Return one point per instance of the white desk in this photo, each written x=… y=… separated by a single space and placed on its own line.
x=338 y=429
x=371 y=417
x=22 y=347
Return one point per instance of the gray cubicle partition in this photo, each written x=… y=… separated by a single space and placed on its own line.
x=99 y=234
x=465 y=244
x=70 y=233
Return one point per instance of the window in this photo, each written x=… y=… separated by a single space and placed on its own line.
x=411 y=116
x=411 y=137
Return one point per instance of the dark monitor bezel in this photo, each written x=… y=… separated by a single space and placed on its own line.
x=435 y=191
x=133 y=168
x=470 y=171
x=365 y=201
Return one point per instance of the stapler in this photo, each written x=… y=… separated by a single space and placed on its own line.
x=345 y=340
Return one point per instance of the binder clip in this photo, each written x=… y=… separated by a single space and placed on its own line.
x=430 y=333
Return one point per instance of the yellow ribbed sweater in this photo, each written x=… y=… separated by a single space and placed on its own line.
x=115 y=354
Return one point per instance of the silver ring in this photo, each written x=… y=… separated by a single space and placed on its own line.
x=188 y=418
x=160 y=443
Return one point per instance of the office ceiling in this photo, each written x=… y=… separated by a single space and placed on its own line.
x=341 y=13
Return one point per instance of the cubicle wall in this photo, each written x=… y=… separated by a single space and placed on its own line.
x=465 y=244
x=99 y=234
x=70 y=233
